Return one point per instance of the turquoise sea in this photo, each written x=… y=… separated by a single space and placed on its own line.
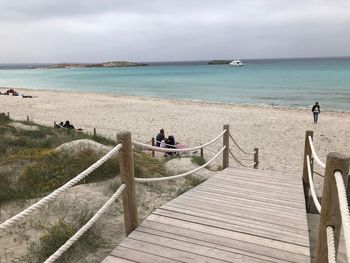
x=276 y=82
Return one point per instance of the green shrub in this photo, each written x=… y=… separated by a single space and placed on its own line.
x=198 y=160
x=4 y=119
x=57 y=234
x=53 y=239
x=56 y=168
x=194 y=180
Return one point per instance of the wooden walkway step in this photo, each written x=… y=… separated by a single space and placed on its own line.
x=238 y=215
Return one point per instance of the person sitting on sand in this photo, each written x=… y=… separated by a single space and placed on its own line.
x=160 y=137
x=170 y=143
x=67 y=125
x=316 y=111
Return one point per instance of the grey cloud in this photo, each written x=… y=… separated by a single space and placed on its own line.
x=56 y=31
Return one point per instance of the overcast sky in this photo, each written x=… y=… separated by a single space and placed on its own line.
x=164 y=30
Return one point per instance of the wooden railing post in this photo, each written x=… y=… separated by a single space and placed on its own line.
x=153 y=144
x=202 y=153
x=27 y=118
x=226 y=142
x=95 y=133
x=306 y=183
x=256 y=158
x=127 y=176
x=330 y=212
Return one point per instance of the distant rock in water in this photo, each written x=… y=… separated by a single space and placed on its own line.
x=219 y=62
x=97 y=65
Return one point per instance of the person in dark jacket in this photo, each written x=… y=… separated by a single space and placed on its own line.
x=160 y=137
x=316 y=111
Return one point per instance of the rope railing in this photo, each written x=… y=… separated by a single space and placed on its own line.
x=334 y=213
x=87 y=226
x=314 y=153
x=10 y=222
x=158 y=149
x=239 y=162
x=312 y=188
x=159 y=179
x=234 y=141
x=344 y=210
x=330 y=245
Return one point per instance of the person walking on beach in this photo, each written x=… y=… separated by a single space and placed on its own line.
x=316 y=111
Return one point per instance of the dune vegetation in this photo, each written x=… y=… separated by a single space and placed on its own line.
x=33 y=164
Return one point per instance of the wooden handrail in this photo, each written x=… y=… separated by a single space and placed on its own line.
x=306 y=183
x=330 y=212
x=256 y=158
x=226 y=142
x=127 y=175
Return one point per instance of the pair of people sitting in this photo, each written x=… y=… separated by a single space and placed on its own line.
x=163 y=142
x=66 y=125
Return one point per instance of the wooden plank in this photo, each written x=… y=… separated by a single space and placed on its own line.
x=298 y=249
x=224 y=242
x=236 y=219
x=241 y=205
x=257 y=205
x=112 y=259
x=214 y=254
x=165 y=250
x=257 y=217
x=234 y=190
x=261 y=182
x=272 y=234
x=256 y=188
x=258 y=200
x=139 y=256
x=251 y=196
x=259 y=173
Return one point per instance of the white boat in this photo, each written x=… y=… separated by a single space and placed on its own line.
x=236 y=63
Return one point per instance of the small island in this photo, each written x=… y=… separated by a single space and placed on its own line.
x=219 y=62
x=96 y=65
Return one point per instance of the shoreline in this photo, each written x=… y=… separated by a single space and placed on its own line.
x=203 y=102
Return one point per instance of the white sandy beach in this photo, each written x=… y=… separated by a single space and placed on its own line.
x=277 y=132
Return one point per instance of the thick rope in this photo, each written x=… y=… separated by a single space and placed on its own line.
x=234 y=141
x=244 y=165
x=344 y=210
x=314 y=153
x=311 y=183
x=158 y=149
x=10 y=222
x=148 y=180
x=87 y=226
x=330 y=245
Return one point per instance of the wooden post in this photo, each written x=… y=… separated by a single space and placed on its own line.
x=95 y=132
x=127 y=175
x=306 y=183
x=202 y=153
x=27 y=118
x=153 y=144
x=256 y=158
x=226 y=142
x=330 y=212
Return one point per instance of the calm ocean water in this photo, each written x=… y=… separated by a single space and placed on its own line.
x=284 y=82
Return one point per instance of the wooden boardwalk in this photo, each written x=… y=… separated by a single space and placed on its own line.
x=238 y=215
